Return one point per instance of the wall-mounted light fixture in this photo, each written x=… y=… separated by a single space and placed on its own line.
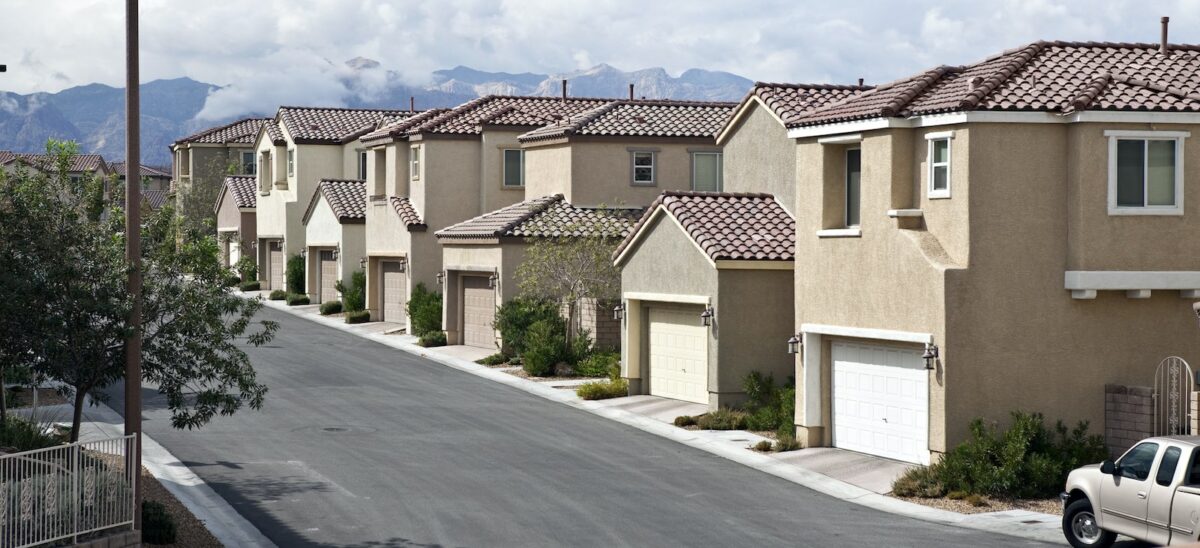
x=362 y=263
x=619 y=312
x=337 y=252
x=706 y=317
x=493 y=279
x=403 y=265
x=303 y=252
x=930 y=355
x=794 y=344
x=441 y=278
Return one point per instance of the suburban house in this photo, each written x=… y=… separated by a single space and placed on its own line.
x=437 y=169
x=334 y=225
x=78 y=165
x=236 y=222
x=590 y=173
x=297 y=150
x=156 y=184
x=201 y=161
x=1006 y=235
x=706 y=277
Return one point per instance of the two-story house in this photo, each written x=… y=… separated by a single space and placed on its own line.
x=201 y=161
x=156 y=183
x=590 y=173
x=236 y=220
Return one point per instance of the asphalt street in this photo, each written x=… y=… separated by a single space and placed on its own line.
x=360 y=444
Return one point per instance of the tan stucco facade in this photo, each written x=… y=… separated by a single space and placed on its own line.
x=485 y=259
x=324 y=232
x=236 y=229
x=759 y=157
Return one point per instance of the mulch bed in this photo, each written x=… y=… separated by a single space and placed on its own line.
x=23 y=397
x=190 y=531
x=1045 y=506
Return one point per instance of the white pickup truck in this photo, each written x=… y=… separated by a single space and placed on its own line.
x=1151 y=493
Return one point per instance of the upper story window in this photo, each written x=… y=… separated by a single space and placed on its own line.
x=264 y=178
x=939 y=163
x=248 y=164
x=362 y=165
x=1145 y=172
x=514 y=167
x=414 y=162
x=291 y=162
x=643 y=167
x=706 y=171
x=379 y=181
x=853 y=186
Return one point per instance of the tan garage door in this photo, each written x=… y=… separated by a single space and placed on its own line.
x=479 y=310
x=275 y=264
x=394 y=293
x=328 y=277
x=678 y=355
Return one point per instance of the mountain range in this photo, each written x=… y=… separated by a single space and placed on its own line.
x=93 y=115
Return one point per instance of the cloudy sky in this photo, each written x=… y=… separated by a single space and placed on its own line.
x=291 y=48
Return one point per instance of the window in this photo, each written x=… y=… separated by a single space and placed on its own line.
x=706 y=171
x=362 y=165
x=264 y=177
x=853 y=185
x=514 y=167
x=414 y=162
x=1145 y=172
x=248 y=163
x=643 y=167
x=1167 y=466
x=291 y=161
x=1137 y=462
x=939 y=164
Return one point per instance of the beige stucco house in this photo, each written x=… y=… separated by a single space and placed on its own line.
x=236 y=220
x=335 y=240
x=201 y=161
x=78 y=165
x=296 y=151
x=1008 y=235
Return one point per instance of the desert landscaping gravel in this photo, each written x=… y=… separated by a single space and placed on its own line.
x=191 y=532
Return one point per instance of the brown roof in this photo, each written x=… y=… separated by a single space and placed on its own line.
x=79 y=163
x=242 y=132
x=155 y=198
x=726 y=225
x=394 y=127
x=503 y=110
x=641 y=119
x=242 y=189
x=331 y=126
x=408 y=214
x=5 y=156
x=147 y=171
x=1058 y=77
x=347 y=198
x=275 y=134
x=544 y=217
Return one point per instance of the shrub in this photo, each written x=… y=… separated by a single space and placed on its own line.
x=918 y=482
x=495 y=359
x=515 y=317
x=957 y=495
x=432 y=338
x=246 y=268
x=354 y=296
x=331 y=307
x=786 y=442
x=685 y=420
x=158 y=527
x=424 y=310
x=278 y=295
x=545 y=346
x=976 y=500
x=722 y=419
x=580 y=347
x=361 y=316
x=232 y=281
x=770 y=407
x=250 y=286
x=603 y=390
x=23 y=435
x=763 y=446
x=297 y=299
x=598 y=364
x=295 y=274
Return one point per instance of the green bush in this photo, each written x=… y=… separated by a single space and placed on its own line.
x=685 y=420
x=786 y=442
x=23 y=435
x=515 y=317
x=770 y=407
x=278 y=295
x=246 y=268
x=722 y=419
x=358 y=316
x=295 y=274
x=495 y=359
x=603 y=390
x=250 y=286
x=763 y=446
x=424 y=310
x=432 y=339
x=580 y=347
x=331 y=307
x=1028 y=460
x=598 y=364
x=297 y=299
x=158 y=527
x=354 y=296
x=233 y=281
x=545 y=346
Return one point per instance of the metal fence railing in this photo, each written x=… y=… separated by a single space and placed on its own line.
x=66 y=491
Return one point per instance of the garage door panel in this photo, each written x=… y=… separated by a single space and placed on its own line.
x=275 y=258
x=395 y=291
x=328 y=277
x=479 y=310
x=678 y=355
x=881 y=401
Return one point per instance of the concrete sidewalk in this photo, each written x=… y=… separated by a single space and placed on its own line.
x=654 y=416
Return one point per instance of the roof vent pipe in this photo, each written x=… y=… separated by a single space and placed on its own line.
x=412 y=103
x=860 y=82
x=630 y=92
x=1165 y=48
x=564 y=90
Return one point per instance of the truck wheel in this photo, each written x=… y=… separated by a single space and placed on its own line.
x=1079 y=525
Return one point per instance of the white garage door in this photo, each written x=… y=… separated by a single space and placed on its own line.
x=678 y=355
x=395 y=289
x=881 y=401
x=479 y=311
x=328 y=277
x=275 y=265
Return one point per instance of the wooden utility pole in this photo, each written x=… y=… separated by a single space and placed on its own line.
x=133 y=254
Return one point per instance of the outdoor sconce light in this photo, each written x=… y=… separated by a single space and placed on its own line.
x=619 y=312
x=1196 y=309
x=706 y=317
x=303 y=252
x=362 y=263
x=404 y=265
x=495 y=277
x=794 y=344
x=930 y=355
x=336 y=253
x=441 y=277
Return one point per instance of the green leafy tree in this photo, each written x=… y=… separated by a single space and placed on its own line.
x=294 y=274
x=354 y=296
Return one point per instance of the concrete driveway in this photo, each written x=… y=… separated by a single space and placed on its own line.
x=363 y=445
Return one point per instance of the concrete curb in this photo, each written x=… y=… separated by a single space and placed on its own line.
x=1013 y=523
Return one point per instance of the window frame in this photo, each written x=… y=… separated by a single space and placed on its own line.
x=846 y=187
x=931 y=139
x=720 y=167
x=633 y=167
x=253 y=169
x=291 y=162
x=414 y=163
x=504 y=168
x=1153 y=461
x=362 y=164
x=1114 y=136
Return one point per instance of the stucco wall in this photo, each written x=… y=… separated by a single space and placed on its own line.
x=228 y=216
x=601 y=172
x=753 y=321
x=759 y=157
x=547 y=170
x=493 y=194
x=449 y=186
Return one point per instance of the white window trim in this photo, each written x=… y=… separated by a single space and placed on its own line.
x=720 y=168
x=291 y=162
x=633 y=167
x=504 y=168
x=414 y=162
x=931 y=138
x=1116 y=135
x=846 y=188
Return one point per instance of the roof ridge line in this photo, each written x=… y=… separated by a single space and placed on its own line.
x=1090 y=92
x=543 y=204
x=918 y=85
x=1020 y=58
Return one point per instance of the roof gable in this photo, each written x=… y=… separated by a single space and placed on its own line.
x=544 y=217
x=407 y=212
x=346 y=197
x=331 y=126
x=242 y=190
x=243 y=131
x=787 y=102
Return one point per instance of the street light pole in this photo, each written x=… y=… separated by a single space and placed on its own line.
x=133 y=254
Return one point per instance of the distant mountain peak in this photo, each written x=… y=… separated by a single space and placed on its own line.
x=362 y=63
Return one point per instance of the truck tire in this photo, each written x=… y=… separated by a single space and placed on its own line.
x=1079 y=526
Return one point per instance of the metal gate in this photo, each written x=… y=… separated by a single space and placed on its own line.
x=1173 y=387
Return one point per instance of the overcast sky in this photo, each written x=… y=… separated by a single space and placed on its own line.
x=291 y=46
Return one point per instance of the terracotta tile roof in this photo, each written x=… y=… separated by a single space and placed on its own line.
x=155 y=198
x=5 y=156
x=147 y=171
x=1056 y=77
x=275 y=133
x=395 y=127
x=331 y=126
x=503 y=110
x=789 y=101
x=79 y=163
x=728 y=226
x=347 y=198
x=242 y=132
x=408 y=214
x=544 y=217
x=243 y=190
x=641 y=119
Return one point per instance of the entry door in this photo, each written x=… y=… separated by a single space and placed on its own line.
x=395 y=291
x=678 y=355
x=328 y=280
x=275 y=263
x=479 y=311
x=881 y=401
